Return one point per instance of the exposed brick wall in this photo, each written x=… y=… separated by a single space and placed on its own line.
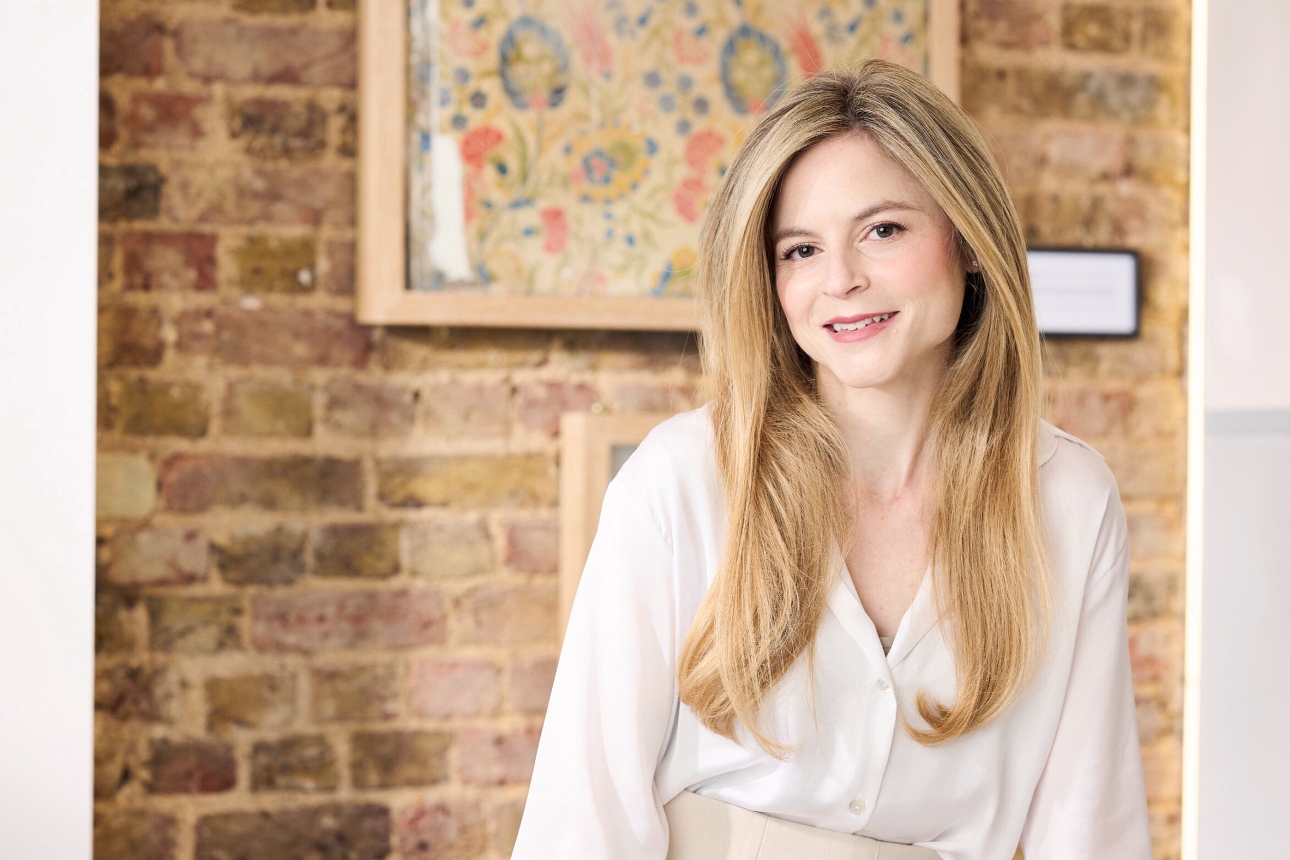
x=326 y=606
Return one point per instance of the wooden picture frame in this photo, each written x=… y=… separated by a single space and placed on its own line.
x=382 y=265
x=592 y=448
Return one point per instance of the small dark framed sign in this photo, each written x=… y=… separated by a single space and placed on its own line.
x=1085 y=292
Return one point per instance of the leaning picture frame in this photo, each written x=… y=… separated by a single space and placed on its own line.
x=548 y=168
x=592 y=449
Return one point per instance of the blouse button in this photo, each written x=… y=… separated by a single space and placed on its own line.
x=883 y=685
x=857 y=806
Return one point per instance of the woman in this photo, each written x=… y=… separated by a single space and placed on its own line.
x=865 y=599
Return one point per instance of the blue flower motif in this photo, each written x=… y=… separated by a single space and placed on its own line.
x=682 y=127
x=753 y=71
x=459 y=122
x=667 y=102
x=460 y=76
x=684 y=83
x=534 y=64
x=599 y=166
x=653 y=79
x=700 y=106
x=478 y=99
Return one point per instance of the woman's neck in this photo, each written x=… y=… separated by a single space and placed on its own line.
x=886 y=434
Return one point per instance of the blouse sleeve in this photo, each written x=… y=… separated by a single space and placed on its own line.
x=592 y=796
x=1090 y=803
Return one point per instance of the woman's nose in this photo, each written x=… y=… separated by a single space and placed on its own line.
x=845 y=275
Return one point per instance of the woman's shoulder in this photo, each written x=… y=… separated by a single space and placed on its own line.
x=1081 y=501
x=1071 y=462
x=674 y=467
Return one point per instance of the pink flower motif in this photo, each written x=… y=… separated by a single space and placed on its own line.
x=477 y=143
x=689 y=198
x=688 y=49
x=701 y=146
x=806 y=49
x=555 y=228
x=465 y=41
x=593 y=47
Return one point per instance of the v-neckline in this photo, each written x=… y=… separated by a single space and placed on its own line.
x=918 y=619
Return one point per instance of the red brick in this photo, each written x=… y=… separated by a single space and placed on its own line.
x=256 y=555
x=107 y=266
x=606 y=349
x=355 y=692
x=107 y=121
x=194 y=625
x=129 y=337
x=256 y=407
x=447 y=830
x=242 y=195
x=132 y=47
x=422 y=348
x=457 y=409
x=1156 y=592
x=539 y=405
x=191 y=767
x=331 y=832
x=240 y=53
x=192 y=483
x=168 y=120
x=154 y=407
x=1098 y=28
x=164 y=262
x=129 y=192
x=302 y=763
x=338 y=277
x=1020 y=24
x=508 y=614
x=115 y=630
x=1155 y=651
x=492 y=757
x=267 y=264
x=271 y=7
x=357 y=550
x=355 y=407
x=337 y=620
x=504 y=825
x=158 y=556
x=1162 y=768
x=467 y=481
x=445 y=550
x=347 y=133
x=250 y=702
x=125 y=834
x=529 y=684
x=280 y=129
x=145 y=694
x=273 y=337
x=1086 y=154
x=1092 y=410
x=533 y=546
x=453 y=688
x=652 y=398
x=399 y=759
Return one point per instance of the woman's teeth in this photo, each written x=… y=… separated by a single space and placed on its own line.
x=861 y=323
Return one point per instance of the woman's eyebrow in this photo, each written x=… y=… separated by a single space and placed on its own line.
x=863 y=215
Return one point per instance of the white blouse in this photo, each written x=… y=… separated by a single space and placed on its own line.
x=1059 y=772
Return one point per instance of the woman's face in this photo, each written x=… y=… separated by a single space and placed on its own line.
x=867 y=268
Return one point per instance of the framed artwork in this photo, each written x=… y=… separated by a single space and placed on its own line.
x=592 y=450
x=547 y=164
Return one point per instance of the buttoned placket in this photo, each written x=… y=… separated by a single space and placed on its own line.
x=881 y=710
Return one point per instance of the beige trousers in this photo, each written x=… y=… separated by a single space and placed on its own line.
x=706 y=829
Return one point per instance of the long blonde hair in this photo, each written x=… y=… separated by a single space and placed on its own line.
x=785 y=468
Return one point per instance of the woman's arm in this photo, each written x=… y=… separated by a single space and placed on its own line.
x=1090 y=803
x=592 y=796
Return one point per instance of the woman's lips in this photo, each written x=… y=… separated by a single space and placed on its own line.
x=869 y=326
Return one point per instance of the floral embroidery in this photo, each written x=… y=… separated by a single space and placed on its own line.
x=593 y=134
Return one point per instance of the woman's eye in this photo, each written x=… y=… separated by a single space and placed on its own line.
x=885 y=231
x=799 y=252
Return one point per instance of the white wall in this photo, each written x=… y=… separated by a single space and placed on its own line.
x=1243 y=754
x=48 y=181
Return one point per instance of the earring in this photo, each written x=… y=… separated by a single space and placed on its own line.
x=975 y=265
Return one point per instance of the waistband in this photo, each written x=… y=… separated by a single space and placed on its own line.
x=703 y=828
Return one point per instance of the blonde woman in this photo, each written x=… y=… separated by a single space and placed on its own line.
x=865 y=603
